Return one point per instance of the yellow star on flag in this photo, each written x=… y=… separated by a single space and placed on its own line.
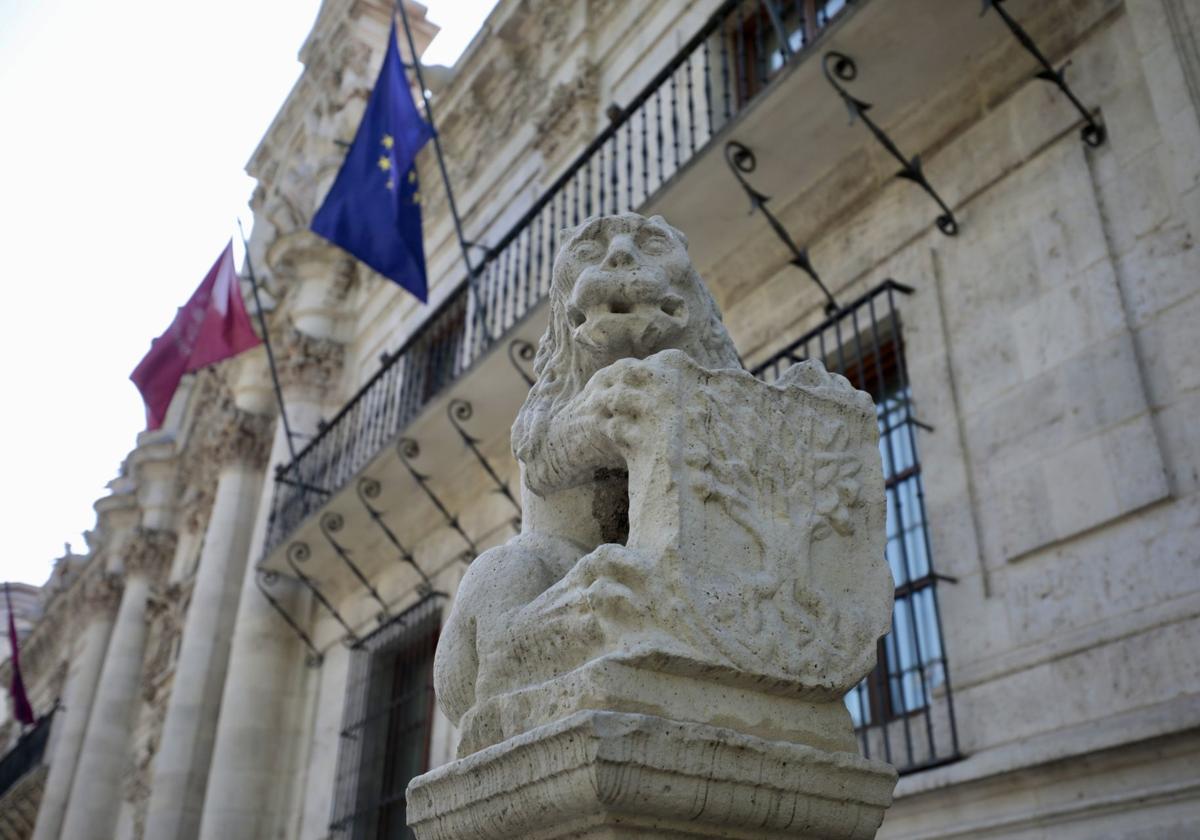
x=385 y=163
x=391 y=183
x=388 y=141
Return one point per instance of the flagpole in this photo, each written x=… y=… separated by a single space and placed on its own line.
x=266 y=337
x=437 y=146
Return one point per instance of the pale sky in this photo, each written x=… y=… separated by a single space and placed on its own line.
x=126 y=128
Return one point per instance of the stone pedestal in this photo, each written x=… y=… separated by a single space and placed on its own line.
x=699 y=580
x=616 y=775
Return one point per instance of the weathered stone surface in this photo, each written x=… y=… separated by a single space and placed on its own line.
x=617 y=775
x=699 y=549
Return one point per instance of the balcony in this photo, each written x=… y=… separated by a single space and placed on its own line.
x=737 y=55
x=394 y=488
x=22 y=777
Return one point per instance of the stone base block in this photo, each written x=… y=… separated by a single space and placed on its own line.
x=602 y=774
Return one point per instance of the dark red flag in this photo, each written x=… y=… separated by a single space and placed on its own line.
x=213 y=325
x=22 y=711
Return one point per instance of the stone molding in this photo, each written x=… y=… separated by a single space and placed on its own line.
x=304 y=361
x=569 y=117
x=242 y=439
x=592 y=775
x=150 y=553
x=98 y=597
x=166 y=617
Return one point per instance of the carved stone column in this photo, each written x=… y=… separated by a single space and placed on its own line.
x=93 y=606
x=262 y=701
x=240 y=447
x=95 y=796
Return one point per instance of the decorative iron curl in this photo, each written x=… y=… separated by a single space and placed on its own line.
x=266 y=578
x=299 y=552
x=459 y=411
x=523 y=350
x=839 y=67
x=369 y=488
x=332 y=522
x=408 y=449
x=742 y=162
x=1093 y=133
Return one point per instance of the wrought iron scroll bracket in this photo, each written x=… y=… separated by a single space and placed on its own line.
x=459 y=411
x=409 y=449
x=331 y=523
x=520 y=350
x=299 y=552
x=265 y=578
x=1093 y=133
x=741 y=162
x=368 y=488
x=839 y=67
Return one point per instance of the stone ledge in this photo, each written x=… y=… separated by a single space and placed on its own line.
x=607 y=774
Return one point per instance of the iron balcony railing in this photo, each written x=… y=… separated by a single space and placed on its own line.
x=26 y=754
x=720 y=70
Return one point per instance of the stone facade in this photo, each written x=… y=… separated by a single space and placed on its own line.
x=1048 y=355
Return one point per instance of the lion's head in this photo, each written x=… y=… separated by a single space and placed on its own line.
x=623 y=287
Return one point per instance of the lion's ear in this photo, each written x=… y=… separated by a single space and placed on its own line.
x=661 y=222
x=566 y=234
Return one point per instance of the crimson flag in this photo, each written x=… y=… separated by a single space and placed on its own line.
x=22 y=711
x=213 y=325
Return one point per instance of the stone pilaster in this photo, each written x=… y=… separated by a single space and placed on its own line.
x=93 y=606
x=240 y=445
x=260 y=715
x=96 y=791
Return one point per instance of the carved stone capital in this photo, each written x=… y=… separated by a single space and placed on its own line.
x=570 y=113
x=308 y=362
x=150 y=553
x=243 y=438
x=98 y=597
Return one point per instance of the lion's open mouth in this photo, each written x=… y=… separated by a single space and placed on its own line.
x=618 y=307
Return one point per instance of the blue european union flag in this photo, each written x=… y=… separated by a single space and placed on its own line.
x=373 y=209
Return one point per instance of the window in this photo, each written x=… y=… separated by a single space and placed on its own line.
x=903 y=711
x=388 y=722
x=755 y=46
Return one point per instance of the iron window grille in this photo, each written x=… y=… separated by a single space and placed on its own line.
x=387 y=725
x=903 y=711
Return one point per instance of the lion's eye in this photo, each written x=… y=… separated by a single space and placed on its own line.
x=587 y=249
x=654 y=243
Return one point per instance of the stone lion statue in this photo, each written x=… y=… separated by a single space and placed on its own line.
x=680 y=516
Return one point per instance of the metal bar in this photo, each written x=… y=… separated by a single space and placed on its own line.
x=299 y=552
x=741 y=160
x=902 y=368
x=459 y=411
x=369 y=488
x=266 y=337
x=331 y=523
x=839 y=67
x=410 y=449
x=1094 y=132
x=264 y=578
x=437 y=143
x=524 y=351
